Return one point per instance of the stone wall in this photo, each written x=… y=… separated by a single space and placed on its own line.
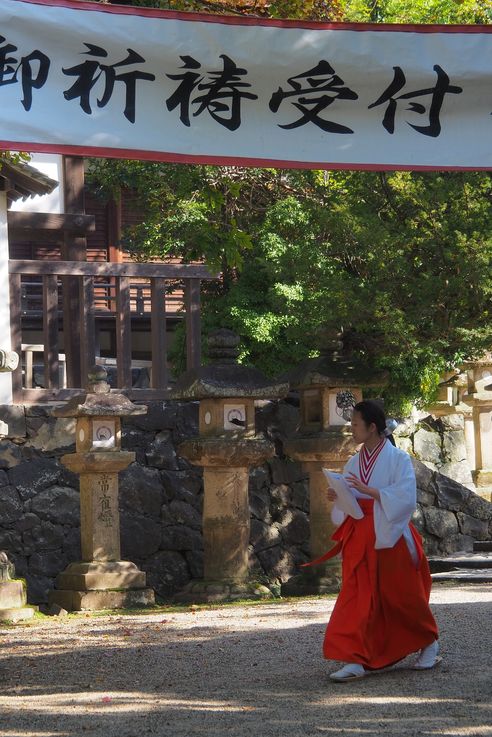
x=161 y=500
x=439 y=442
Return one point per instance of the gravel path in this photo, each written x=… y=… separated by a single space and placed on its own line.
x=238 y=672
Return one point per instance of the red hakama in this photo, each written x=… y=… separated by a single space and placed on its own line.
x=382 y=613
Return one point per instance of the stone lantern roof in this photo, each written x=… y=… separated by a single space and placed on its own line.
x=334 y=367
x=224 y=377
x=99 y=400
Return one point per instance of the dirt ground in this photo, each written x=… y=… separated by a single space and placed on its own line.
x=237 y=672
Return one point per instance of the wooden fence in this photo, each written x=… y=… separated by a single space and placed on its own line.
x=80 y=278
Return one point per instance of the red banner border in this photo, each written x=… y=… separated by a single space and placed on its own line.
x=175 y=158
x=254 y=21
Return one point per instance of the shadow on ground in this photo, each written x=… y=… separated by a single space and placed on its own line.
x=178 y=675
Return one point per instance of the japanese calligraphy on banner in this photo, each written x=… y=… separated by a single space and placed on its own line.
x=103 y=80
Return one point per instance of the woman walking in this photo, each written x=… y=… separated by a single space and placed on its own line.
x=382 y=613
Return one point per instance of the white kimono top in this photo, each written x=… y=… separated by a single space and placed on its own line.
x=394 y=477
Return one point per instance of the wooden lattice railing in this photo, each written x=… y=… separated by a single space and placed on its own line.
x=80 y=280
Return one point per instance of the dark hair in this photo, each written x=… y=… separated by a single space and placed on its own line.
x=372 y=411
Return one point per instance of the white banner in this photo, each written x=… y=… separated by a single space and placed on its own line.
x=116 y=81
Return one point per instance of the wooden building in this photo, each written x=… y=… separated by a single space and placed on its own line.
x=76 y=298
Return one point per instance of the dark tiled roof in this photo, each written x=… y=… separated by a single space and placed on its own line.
x=23 y=180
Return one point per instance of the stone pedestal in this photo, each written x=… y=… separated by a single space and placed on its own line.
x=226 y=517
x=101 y=580
x=12 y=594
x=226 y=448
x=329 y=450
x=479 y=436
x=329 y=387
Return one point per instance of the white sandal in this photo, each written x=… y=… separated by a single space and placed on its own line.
x=349 y=672
x=428 y=657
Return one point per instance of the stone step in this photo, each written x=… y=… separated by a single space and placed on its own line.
x=461 y=560
x=464 y=575
x=482 y=546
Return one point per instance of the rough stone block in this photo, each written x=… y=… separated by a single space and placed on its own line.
x=456 y=543
x=38 y=587
x=141 y=489
x=476 y=528
x=426 y=498
x=453 y=422
x=427 y=446
x=458 y=471
x=45 y=536
x=10 y=505
x=15 y=420
x=281 y=496
x=11 y=541
x=478 y=507
x=450 y=494
x=47 y=563
x=179 y=537
x=277 y=562
x=56 y=610
x=167 y=572
x=259 y=507
x=51 y=435
x=59 y=504
x=186 y=423
x=285 y=472
x=264 y=536
x=424 y=475
x=187 y=486
x=10 y=454
x=140 y=536
x=300 y=495
x=453 y=446
x=27 y=522
x=440 y=522
x=178 y=512
x=194 y=558
x=33 y=476
x=418 y=519
x=294 y=526
x=161 y=453
x=259 y=478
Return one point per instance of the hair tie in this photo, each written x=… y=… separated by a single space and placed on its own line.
x=390 y=428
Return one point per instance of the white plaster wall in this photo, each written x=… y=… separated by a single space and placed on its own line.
x=52 y=166
x=5 y=341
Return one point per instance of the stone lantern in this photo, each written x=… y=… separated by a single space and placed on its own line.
x=328 y=388
x=478 y=424
x=226 y=447
x=101 y=580
x=12 y=593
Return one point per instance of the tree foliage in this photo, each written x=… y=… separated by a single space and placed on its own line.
x=401 y=260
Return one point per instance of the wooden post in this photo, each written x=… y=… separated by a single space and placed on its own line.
x=158 y=334
x=74 y=249
x=123 y=333
x=50 y=331
x=193 y=323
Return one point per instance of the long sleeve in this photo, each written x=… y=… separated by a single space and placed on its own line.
x=393 y=512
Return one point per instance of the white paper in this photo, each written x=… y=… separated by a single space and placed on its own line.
x=345 y=499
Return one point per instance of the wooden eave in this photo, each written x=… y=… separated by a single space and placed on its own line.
x=22 y=180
